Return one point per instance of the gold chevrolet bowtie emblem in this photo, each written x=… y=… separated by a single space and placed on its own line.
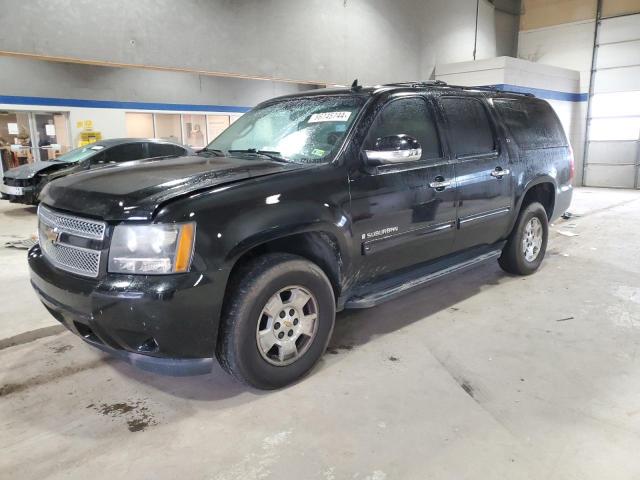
x=51 y=234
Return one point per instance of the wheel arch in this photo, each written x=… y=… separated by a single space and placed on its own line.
x=541 y=189
x=317 y=245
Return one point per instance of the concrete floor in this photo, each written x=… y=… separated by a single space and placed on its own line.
x=483 y=376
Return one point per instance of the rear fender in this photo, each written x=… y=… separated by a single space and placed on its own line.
x=523 y=192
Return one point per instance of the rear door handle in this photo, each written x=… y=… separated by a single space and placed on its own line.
x=440 y=183
x=499 y=172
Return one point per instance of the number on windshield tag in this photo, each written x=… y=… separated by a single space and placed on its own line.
x=329 y=117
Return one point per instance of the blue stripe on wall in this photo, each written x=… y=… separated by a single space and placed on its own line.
x=185 y=107
x=542 y=93
x=76 y=102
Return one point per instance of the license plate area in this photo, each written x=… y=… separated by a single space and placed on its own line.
x=11 y=190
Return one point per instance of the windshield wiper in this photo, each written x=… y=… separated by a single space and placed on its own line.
x=215 y=151
x=273 y=155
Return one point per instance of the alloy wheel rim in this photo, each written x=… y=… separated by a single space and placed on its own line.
x=532 y=239
x=287 y=325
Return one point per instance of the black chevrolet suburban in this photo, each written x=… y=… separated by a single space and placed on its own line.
x=308 y=204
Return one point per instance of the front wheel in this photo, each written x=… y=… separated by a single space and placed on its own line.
x=277 y=322
x=527 y=244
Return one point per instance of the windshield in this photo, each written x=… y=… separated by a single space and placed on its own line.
x=300 y=130
x=79 y=154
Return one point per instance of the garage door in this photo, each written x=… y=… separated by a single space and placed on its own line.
x=613 y=135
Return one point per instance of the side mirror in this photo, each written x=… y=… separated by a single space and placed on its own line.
x=394 y=149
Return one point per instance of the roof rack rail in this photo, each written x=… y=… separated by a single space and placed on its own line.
x=440 y=83
x=423 y=83
x=492 y=88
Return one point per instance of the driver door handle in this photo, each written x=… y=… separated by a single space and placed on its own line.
x=440 y=183
x=499 y=172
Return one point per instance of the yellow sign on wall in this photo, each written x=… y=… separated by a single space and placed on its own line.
x=88 y=135
x=85 y=124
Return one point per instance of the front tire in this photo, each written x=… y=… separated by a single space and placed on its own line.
x=277 y=322
x=527 y=244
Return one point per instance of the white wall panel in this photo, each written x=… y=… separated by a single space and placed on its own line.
x=621 y=176
x=615 y=104
x=619 y=29
x=623 y=128
x=618 y=153
x=619 y=54
x=617 y=80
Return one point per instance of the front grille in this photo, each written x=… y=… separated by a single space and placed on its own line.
x=78 y=260
x=80 y=227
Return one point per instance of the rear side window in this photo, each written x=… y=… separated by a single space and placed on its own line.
x=164 y=149
x=125 y=152
x=469 y=127
x=533 y=124
x=409 y=116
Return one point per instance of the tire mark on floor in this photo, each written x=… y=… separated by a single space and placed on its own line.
x=31 y=336
x=11 y=388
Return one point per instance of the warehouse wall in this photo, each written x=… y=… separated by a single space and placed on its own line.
x=26 y=77
x=324 y=41
x=561 y=33
x=104 y=94
x=541 y=45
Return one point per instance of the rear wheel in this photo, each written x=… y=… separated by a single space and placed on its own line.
x=527 y=244
x=277 y=322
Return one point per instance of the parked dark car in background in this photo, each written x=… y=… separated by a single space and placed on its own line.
x=306 y=205
x=24 y=183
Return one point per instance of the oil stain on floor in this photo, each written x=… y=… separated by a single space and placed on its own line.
x=135 y=413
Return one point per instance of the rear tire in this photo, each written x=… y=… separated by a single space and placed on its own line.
x=277 y=322
x=527 y=244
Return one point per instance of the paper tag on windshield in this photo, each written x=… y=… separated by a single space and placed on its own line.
x=329 y=117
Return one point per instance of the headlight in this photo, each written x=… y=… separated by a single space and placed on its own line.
x=152 y=249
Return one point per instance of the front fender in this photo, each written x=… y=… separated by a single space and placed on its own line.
x=256 y=227
x=233 y=219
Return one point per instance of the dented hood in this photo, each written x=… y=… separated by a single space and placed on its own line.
x=134 y=191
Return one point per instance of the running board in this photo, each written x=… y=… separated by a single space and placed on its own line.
x=383 y=291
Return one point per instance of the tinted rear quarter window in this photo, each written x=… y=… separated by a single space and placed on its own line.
x=470 y=130
x=164 y=149
x=532 y=123
x=125 y=152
